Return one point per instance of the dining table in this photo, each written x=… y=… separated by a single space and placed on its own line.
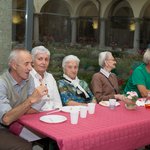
x=115 y=129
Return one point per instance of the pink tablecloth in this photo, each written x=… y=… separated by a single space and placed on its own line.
x=118 y=129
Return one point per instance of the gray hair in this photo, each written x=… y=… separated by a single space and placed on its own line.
x=146 y=56
x=70 y=58
x=39 y=50
x=102 y=57
x=14 y=55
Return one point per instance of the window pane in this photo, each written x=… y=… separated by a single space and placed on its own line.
x=18 y=21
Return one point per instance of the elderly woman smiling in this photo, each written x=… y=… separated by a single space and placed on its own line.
x=72 y=90
x=41 y=57
x=104 y=84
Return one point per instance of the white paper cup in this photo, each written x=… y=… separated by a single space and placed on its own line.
x=83 y=111
x=112 y=103
x=74 y=115
x=91 y=108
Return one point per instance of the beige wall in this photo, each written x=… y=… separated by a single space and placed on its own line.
x=38 y=4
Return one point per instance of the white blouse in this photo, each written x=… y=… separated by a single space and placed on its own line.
x=50 y=101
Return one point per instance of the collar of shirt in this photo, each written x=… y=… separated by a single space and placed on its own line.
x=38 y=76
x=76 y=84
x=14 y=82
x=105 y=73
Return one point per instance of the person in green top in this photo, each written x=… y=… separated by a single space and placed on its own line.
x=139 y=81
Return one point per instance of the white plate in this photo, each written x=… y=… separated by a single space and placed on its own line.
x=70 y=108
x=53 y=118
x=106 y=103
x=141 y=99
x=142 y=102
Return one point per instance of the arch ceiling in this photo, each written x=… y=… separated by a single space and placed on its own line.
x=119 y=8
x=58 y=7
x=87 y=8
x=145 y=11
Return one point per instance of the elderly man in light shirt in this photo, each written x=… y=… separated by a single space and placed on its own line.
x=17 y=95
x=50 y=101
x=41 y=57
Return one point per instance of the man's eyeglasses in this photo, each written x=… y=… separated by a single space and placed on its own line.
x=112 y=59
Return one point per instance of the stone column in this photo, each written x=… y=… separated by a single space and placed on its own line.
x=102 y=33
x=36 y=28
x=73 y=30
x=5 y=32
x=136 y=42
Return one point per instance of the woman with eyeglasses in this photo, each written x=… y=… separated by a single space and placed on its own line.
x=104 y=83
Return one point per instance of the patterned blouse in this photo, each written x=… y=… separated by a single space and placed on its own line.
x=69 y=93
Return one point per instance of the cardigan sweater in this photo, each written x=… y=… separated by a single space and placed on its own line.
x=104 y=88
x=13 y=97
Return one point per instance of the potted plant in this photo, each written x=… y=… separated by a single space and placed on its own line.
x=130 y=100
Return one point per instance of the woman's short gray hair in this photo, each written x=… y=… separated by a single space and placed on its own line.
x=102 y=57
x=146 y=56
x=70 y=58
x=39 y=50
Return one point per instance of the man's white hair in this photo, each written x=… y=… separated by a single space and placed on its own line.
x=14 y=55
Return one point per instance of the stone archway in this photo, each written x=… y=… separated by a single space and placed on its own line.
x=87 y=23
x=118 y=30
x=54 y=22
x=145 y=26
